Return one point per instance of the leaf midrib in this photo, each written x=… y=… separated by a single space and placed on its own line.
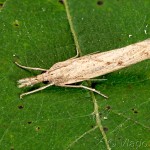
x=96 y=107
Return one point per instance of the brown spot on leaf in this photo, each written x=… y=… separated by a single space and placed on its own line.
x=129 y=86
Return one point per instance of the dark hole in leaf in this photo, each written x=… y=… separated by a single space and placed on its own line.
x=100 y=114
x=134 y=110
x=61 y=1
x=20 y=107
x=37 y=128
x=16 y=23
x=29 y=122
x=92 y=126
x=1 y=4
x=100 y=3
x=11 y=148
x=119 y=39
x=108 y=107
x=105 y=129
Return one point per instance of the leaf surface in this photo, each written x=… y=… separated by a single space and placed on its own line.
x=37 y=33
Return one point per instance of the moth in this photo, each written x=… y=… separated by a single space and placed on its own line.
x=78 y=69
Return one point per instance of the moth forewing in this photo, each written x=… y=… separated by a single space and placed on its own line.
x=89 y=66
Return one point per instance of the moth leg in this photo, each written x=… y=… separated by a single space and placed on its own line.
x=77 y=54
x=39 y=89
x=30 y=68
x=85 y=87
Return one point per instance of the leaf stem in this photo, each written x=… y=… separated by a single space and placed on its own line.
x=98 y=121
x=96 y=111
x=72 y=28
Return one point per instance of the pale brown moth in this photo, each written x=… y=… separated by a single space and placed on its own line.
x=86 y=67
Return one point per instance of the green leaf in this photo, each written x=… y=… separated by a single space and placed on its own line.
x=38 y=34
